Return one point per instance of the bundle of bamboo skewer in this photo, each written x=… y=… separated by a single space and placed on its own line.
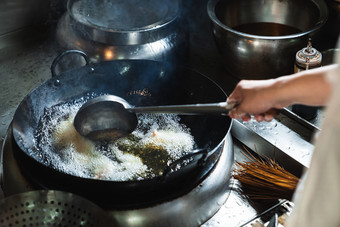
x=264 y=178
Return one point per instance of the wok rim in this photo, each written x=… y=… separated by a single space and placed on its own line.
x=211 y=7
x=24 y=150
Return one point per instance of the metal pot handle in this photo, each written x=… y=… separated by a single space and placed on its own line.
x=60 y=56
x=185 y=160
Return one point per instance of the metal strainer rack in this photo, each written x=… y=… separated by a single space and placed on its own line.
x=51 y=208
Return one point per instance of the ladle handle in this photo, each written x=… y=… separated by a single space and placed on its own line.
x=216 y=108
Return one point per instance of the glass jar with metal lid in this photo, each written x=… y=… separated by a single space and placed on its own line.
x=306 y=58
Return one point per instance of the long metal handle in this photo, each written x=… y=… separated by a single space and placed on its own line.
x=215 y=108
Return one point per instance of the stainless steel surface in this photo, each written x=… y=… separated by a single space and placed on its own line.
x=51 y=208
x=105 y=118
x=283 y=212
x=199 y=108
x=250 y=56
x=110 y=117
x=282 y=139
x=129 y=22
x=274 y=221
x=157 y=37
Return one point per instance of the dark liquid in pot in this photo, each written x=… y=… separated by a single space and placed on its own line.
x=267 y=29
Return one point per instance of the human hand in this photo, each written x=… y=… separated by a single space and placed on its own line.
x=253 y=97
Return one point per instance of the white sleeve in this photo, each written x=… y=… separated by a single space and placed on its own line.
x=317 y=199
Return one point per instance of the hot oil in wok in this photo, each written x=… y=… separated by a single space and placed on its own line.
x=158 y=140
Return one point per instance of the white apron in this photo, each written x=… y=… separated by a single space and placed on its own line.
x=317 y=199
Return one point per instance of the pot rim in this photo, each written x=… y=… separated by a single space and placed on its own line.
x=321 y=5
x=125 y=37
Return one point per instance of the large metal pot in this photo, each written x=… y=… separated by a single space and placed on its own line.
x=257 y=54
x=140 y=82
x=130 y=29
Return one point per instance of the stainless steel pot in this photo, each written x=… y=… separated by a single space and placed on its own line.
x=109 y=30
x=269 y=51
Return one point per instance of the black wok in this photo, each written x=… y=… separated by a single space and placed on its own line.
x=141 y=83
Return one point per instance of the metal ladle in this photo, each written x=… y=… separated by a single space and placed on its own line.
x=110 y=117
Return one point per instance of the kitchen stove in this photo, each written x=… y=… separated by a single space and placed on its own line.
x=214 y=202
x=29 y=69
x=191 y=209
x=288 y=138
x=225 y=207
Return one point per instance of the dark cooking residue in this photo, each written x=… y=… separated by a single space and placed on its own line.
x=158 y=140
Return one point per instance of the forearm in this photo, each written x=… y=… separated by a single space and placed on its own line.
x=257 y=97
x=311 y=87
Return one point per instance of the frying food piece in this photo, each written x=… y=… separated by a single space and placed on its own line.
x=65 y=136
x=82 y=155
x=158 y=148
